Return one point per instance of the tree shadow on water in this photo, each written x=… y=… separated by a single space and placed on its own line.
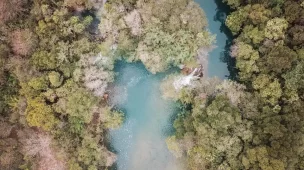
x=223 y=10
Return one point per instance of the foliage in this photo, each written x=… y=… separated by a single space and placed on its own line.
x=293 y=82
x=246 y=59
x=269 y=90
x=278 y=60
x=159 y=46
x=293 y=11
x=97 y=73
x=8 y=91
x=217 y=132
x=55 y=79
x=44 y=60
x=252 y=35
x=173 y=146
x=90 y=152
x=296 y=35
x=38 y=145
x=46 y=88
x=84 y=102
x=40 y=115
x=10 y=157
x=10 y=9
x=23 y=42
x=259 y=14
x=256 y=125
x=259 y=157
x=39 y=83
x=53 y=74
x=78 y=5
x=276 y=28
x=233 y=3
x=111 y=119
x=268 y=51
x=158 y=39
x=236 y=19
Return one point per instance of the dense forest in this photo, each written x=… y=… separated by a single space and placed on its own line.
x=160 y=34
x=256 y=122
x=53 y=79
x=56 y=64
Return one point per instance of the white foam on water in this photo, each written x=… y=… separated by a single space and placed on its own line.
x=184 y=81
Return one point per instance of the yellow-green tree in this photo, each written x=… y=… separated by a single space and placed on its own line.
x=39 y=114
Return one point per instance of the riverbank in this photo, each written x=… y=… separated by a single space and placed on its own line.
x=140 y=142
x=56 y=67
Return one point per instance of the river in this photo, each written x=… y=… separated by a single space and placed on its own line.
x=140 y=142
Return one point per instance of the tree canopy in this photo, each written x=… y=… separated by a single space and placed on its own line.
x=158 y=33
x=256 y=122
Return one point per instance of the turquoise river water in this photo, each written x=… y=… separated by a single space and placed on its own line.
x=140 y=142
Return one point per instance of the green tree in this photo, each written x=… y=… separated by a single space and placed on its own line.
x=90 y=153
x=247 y=59
x=258 y=14
x=80 y=103
x=39 y=83
x=278 y=60
x=150 y=37
x=78 y=5
x=55 y=79
x=233 y=3
x=292 y=11
x=296 y=35
x=40 y=115
x=260 y=158
x=236 y=20
x=220 y=130
x=294 y=81
x=269 y=89
x=44 y=60
x=275 y=28
x=112 y=119
x=252 y=35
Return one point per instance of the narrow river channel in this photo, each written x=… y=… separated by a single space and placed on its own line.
x=140 y=142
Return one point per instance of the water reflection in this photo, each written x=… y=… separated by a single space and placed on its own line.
x=220 y=64
x=221 y=13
